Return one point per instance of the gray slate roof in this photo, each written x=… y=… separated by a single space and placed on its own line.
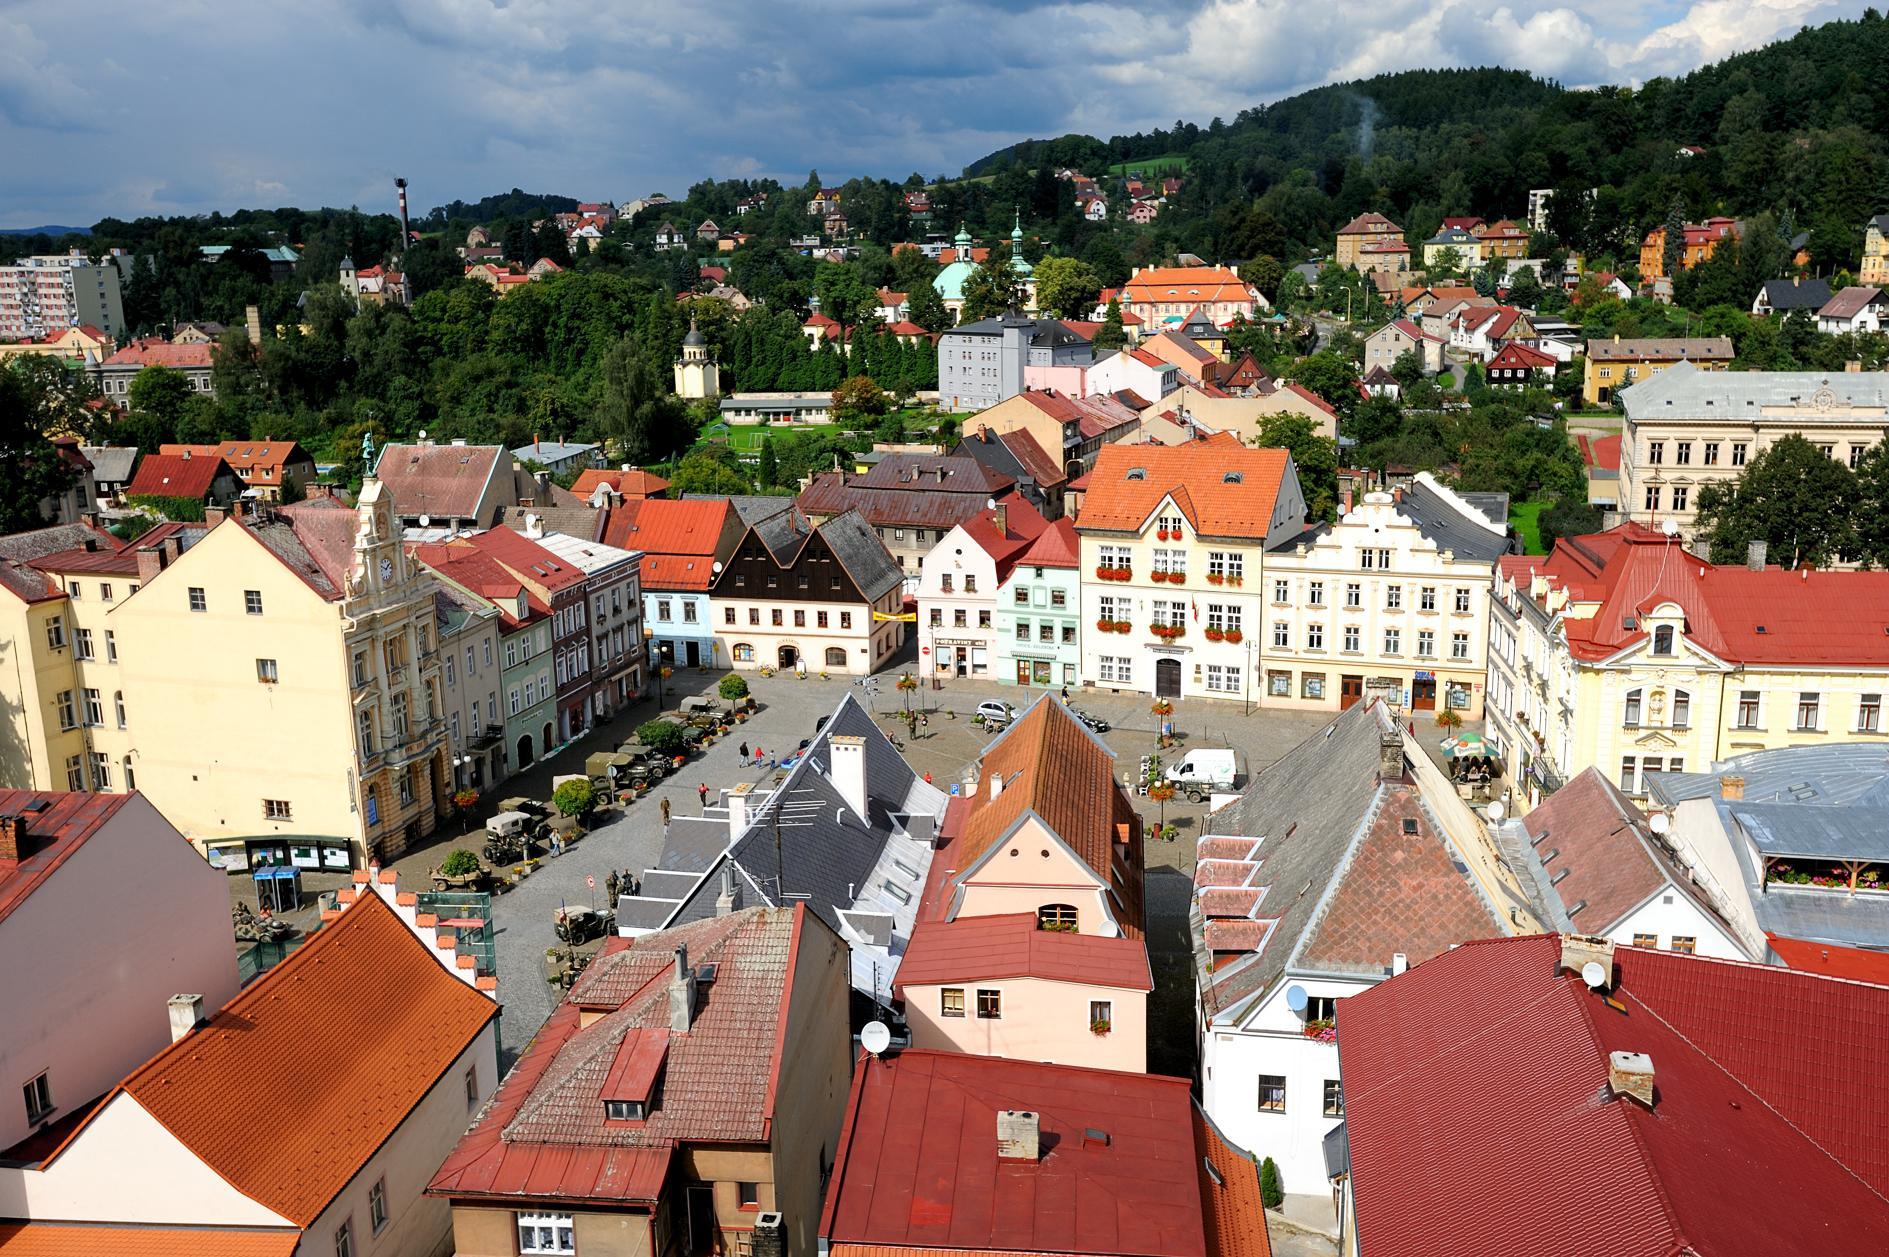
x=111 y=464
x=862 y=554
x=1443 y=522
x=752 y=508
x=1685 y=392
x=1786 y=295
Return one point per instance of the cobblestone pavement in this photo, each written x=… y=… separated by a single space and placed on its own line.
x=1290 y=1241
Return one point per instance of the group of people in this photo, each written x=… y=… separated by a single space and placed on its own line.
x=625 y=883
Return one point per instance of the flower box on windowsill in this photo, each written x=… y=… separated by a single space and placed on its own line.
x=1100 y=1027
x=1215 y=578
x=1215 y=635
x=1234 y=636
x=1323 y=1029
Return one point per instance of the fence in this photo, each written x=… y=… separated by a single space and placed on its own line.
x=466 y=906
x=258 y=958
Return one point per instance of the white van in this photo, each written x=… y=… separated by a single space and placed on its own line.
x=1201 y=772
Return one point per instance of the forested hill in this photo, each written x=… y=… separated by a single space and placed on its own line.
x=1793 y=127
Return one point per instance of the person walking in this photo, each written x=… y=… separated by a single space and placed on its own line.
x=701 y=792
x=1065 y=693
x=665 y=813
x=744 y=752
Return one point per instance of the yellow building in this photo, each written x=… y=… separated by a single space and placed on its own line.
x=1626 y=653
x=1361 y=233
x=1616 y=364
x=270 y=681
x=1173 y=540
x=1875 y=269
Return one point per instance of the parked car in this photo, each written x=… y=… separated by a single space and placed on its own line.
x=1203 y=771
x=1095 y=724
x=997 y=709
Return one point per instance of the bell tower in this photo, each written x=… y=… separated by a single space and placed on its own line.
x=698 y=375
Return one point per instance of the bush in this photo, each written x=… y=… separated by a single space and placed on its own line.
x=459 y=863
x=1271 y=1193
x=661 y=735
x=733 y=687
x=574 y=798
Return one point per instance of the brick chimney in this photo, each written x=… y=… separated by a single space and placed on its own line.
x=1630 y=1074
x=1390 y=754
x=214 y=515
x=767 y=1240
x=150 y=563
x=1018 y=1135
x=1000 y=517
x=681 y=994
x=186 y=1014
x=12 y=837
x=1756 y=553
x=730 y=897
x=1731 y=789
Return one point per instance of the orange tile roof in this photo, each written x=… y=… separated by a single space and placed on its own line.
x=160 y=353
x=680 y=539
x=1186 y=283
x=66 y=1239
x=242 y=455
x=348 y=1035
x=634 y=483
x=1195 y=476
x=1231 y=1209
x=1012 y=945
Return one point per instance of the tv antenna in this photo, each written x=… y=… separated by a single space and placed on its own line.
x=789 y=811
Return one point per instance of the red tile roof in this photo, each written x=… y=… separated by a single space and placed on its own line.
x=1368 y=223
x=444 y=481
x=60 y=828
x=244 y=455
x=1772 y=617
x=1231 y=1208
x=680 y=540
x=175 y=476
x=72 y=1239
x=351 y=1032
x=917 y=1164
x=1195 y=476
x=1492 y=1129
x=1520 y=357
x=1022 y=525
x=530 y=562
x=1306 y=394
x=1011 y=946
x=545 y=1134
x=634 y=483
x=159 y=353
x=1055 y=546
x=1831 y=960
x=1600 y=453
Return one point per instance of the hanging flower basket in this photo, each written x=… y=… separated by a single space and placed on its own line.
x=1215 y=578
x=1215 y=635
x=1234 y=636
x=1162 y=707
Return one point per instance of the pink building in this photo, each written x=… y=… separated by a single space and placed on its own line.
x=106 y=912
x=1029 y=942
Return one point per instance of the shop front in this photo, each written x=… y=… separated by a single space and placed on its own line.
x=312 y=853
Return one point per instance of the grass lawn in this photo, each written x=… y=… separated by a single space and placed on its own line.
x=1524 y=518
x=747 y=438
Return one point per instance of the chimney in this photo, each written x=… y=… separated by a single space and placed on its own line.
x=1755 y=553
x=12 y=837
x=186 y=453
x=150 y=563
x=1400 y=961
x=849 y=770
x=1731 y=789
x=681 y=994
x=186 y=1014
x=1631 y=1074
x=1001 y=518
x=996 y=784
x=214 y=515
x=534 y=443
x=730 y=897
x=1017 y=1135
x=173 y=549
x=1580 y=950
x=1853 y=366
x=1390 y=754
x=534 y=526
x=767 y=1240
x=738 y=809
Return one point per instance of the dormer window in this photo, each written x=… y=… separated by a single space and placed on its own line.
x=626 y=1110
x=1663 y=640
x=1137 y=473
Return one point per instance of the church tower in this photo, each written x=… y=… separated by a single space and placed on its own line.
x=698 y=375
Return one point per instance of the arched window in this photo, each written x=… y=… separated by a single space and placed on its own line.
x=1057 y=916
x=835 y=657
x=1682 y=709
x=1631 y=716
x=1663 y=640
x=744 y=652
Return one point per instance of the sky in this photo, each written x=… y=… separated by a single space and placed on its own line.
x=199 y=105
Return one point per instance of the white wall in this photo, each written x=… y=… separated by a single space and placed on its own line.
x=1670 y=913
x=133 y=917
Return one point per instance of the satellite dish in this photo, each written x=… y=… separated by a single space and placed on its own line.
x=1658 y=823
x=1497 y=811
x=875 y=1037
x=715 y=566
x=1669 y=527
x=425 y=520
x=1594 y=974
x=1296 y=998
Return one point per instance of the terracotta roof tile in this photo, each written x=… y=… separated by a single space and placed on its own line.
x=175 y=476
x=1232 y=1209
x=70 y=1239
x=444 y=481
x=680 y=540
x=634 y=483
x=158 y=353
x=1011 y=946
x=1216 y=506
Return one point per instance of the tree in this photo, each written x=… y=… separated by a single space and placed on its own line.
x=1872 y=508
x=160 y=394
x=57 y=394
x=35 y=472
x=1407 y=369
x=1111 y=336
x=1673 y=244
x=1330 y=375
x=844 y=296
x=767 y=472
x=644 y=419
x=1316 y=457
x=1524 y=287
x=733 y=687
x=992 y=287
x=1066 y=288
x=1272 y=1193
x=1568 y=516
x=1792 y=496
x=574 y=797
x=707 y=471
x=663 y=736
x=928 y=309
x=857 y=402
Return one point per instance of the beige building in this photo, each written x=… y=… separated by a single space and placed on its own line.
x=1242 y=416
x=270 y=680
x=1359 y=235
x=1395 y=595
x=1687 y=428
x=1173 y=542
x=1618 y=364
x=1875 y=267
x=814 y=598
x=1624 y=652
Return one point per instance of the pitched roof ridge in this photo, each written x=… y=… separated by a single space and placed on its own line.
x=1335 y=878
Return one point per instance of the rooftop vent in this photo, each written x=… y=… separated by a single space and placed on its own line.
x=1630 y=1074
x=1018 y=1135
x=1137 y=473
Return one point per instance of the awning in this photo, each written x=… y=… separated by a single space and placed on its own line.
x=1463 y=744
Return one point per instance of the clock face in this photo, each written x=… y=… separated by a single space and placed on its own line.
x=386 y=569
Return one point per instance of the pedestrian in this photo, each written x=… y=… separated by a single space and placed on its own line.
x=701 y=792
x=1065 y=693
x=557 y=843
x=636 y=885
x=665 y=813
x=744 y=752
x=610 y=886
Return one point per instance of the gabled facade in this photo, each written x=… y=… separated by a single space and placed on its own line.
x=682 y=544
x=1364 y=230
x=1040 y=633
x=959 y=585
x=814 y=598
x=1173 y=540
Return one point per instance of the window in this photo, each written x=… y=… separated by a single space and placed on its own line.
x=754 y=615
x=1682 y=709
x=67 y=718
x=377 y=1205
x=625 y=1111
x=1334 y=1098
x=38 y=1099
x=1685 y=943
x=1711 y=454
x=1426 y=644
x=1869 y=713
x=1354 y=595
x=1646 y=940
x=1057 y=916
x=1462 y=599
x=75 y=773
x=1681 y=495
x=1738 y=453
x=990 y=1004
x=1656 y=452
x=131 y=780
x=944 y=585
x=775 y=617
x=275 y=809
x=1426 y=598
x=1630 y=716
x=983 y=619
x=743 y=652
x=1393 y=642
x=1663 y=640
x=74 y=590
x=364 y=726
x=252 y=601
x=111 y=647
x=1807 y=704
x=1101 y=1016
x=1315 y=637
x=1115 y=670
x=406 y=785
x=1281 y=634
x=56 y=632
x=266 y=671
x=94 y=709
x=1023 y=630
x=1354 y=638
x=1652 y=497
x=1272 y=1093
x=1747 y=709
x=835 y=657
x=197 y=602
x=688 y=613
x=1315 y=593
x=951 y=1001
x=82 y=643
x=1393 y=597
x=546 y=1233
x=748 y=1195
x=118 y=707
x=1282 y=592
x=1223 y=679
x=105 y=589
x=800 y=618
x=1856 y=460
x=1022 y=598
x=1682 y=453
